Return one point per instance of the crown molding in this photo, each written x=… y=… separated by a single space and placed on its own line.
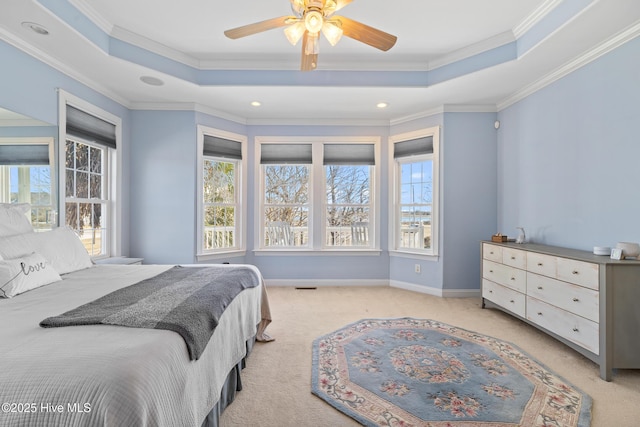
x=603 y=48
x=446 y=108
x=187 y=106
x=536 y=16
x=47 y=59
x=88 y=11
x=473 y=49
x=142 y=42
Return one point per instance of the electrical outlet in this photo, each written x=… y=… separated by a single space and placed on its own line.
x=417 y=268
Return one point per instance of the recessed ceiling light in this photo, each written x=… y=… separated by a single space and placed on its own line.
x=382 y=105
x=36 y=28
x=153 y=81
x=256 y=103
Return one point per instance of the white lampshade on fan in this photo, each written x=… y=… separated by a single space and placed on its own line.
x=294 y=32
x=332 y=30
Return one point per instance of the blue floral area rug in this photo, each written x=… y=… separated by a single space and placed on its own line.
x=417 y=372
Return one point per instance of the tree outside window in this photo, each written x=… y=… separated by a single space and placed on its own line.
x=85 y=192
x=220 y=199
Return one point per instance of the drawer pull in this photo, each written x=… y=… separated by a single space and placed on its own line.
x=539 y=313
x=490 y=271
x=576 y=330
x=575 y=272
x=540 y=287
x=491 y=252
x=576 y=300
x=539 y=264
x=513 y=278
x=513 y=257
x=512 y=301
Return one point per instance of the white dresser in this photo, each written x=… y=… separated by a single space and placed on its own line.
x=589 y=302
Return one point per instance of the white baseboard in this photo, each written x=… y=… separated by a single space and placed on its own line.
x=439 y=292
x=316 y=283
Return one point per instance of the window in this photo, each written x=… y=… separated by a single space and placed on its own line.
x=86 y=194
x=415 y=158
x=348 y=170
x=89 y=175
x=220 y=213
x=317 y=194
x=26 y=166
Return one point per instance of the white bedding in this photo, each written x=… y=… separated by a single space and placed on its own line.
x=111 y=375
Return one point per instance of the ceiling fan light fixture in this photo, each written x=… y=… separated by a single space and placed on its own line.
x=332 y=30
x=294 y=32
x=313 y=21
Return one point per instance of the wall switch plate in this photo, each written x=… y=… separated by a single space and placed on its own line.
x=417 y=268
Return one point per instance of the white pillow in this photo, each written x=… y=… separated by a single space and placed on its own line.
x=60 y=246
x=13 y=219
x=23 y=274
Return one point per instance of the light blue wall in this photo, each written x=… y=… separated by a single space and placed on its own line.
x=563 y=165
x=469 y=196
x=163 y=186
x=467 y=211
x=568 y=156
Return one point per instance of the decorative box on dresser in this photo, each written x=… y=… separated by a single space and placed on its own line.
x=589 y=302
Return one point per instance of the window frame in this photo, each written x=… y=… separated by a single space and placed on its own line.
x=240 y=193
x=106 y=191
x=395 y=193
x=317 y=197
x=114 y=221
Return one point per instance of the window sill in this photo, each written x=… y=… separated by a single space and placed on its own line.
x=221 y=255
x=317 y=252
x=414 y=255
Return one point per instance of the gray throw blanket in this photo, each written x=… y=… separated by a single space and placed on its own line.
x=186 y=300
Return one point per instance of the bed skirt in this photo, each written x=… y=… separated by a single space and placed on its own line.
x=232 y=385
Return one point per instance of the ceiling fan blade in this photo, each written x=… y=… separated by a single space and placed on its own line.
x=366 y=34
x=259 y=27
x=308 y=62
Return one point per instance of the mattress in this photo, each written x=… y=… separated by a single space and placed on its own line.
x=113 y=375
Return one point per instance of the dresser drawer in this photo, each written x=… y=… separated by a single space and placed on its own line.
x=578 y=272
x=574 y=328
x=505 y=297
x=492 y=252
x=514 y=258
x=545 y=265
x=505 y=275
x=576 y=299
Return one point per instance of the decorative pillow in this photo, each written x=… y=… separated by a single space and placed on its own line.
x=13 y=219
x=23 y=274
x=61 y=247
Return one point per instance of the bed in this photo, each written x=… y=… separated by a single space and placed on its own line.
x=97 y=375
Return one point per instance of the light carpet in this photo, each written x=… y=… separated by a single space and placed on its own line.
x=277 y=380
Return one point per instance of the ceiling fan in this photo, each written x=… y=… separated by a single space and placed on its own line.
x=312 y=16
